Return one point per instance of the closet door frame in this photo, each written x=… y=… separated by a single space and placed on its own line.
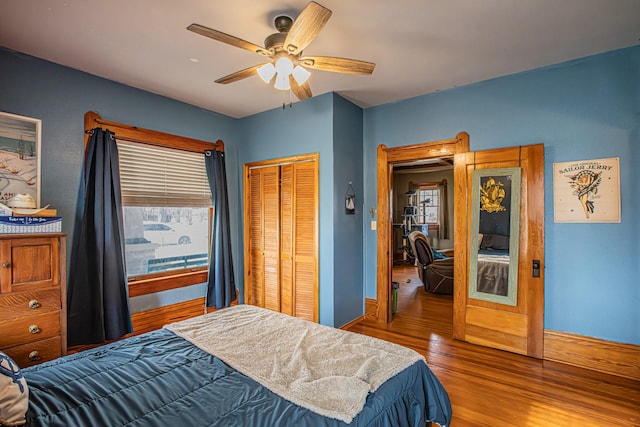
x=312 y=157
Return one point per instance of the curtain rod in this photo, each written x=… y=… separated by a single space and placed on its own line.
x=443 y=181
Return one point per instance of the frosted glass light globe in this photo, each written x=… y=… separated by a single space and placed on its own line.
x=284 y=66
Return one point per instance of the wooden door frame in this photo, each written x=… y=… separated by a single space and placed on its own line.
x=387 y=157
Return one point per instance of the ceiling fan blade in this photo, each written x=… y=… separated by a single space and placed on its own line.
x=306 y=27
x=337 y=65
x=226 y=38
x=239 y=75
x=302 y=91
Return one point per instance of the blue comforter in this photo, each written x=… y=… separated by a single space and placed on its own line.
x=160 y=379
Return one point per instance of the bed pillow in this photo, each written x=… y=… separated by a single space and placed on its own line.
x=498 y=242
x=14 y=393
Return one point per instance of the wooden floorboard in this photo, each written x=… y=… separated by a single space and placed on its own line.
x=495 y=388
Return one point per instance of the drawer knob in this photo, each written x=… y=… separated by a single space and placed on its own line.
x=33 y=304
x=34 y=329
x=6 y=265
x=34 y=355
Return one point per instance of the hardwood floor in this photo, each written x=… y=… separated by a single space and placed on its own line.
x=495 y=388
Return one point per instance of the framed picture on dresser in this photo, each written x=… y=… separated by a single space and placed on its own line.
x=20 y=157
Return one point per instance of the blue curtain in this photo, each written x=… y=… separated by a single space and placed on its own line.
x=221 y=287
x=97 y=301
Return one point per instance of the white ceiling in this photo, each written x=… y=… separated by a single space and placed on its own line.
x=419 y=46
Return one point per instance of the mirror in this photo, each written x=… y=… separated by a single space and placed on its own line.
x=495 y=224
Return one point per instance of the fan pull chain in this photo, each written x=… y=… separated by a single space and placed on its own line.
x=284 y=103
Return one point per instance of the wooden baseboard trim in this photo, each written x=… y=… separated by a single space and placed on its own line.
x=371 y=309
x=591 y=353
x=353 y=322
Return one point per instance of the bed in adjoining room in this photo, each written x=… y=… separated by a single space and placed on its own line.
x=493 y=264
x=240 y=366
x=493 y=272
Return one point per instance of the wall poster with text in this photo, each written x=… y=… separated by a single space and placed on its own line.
x=587 y=190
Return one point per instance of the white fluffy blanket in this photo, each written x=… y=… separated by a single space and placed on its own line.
x=327 y=370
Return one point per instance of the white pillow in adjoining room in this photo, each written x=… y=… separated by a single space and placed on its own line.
x=14 y=393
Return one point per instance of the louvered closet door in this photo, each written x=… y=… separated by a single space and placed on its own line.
x=286 y=242
x=298 y=261
x=264 y=239
x=281 y=226
x=305 y=220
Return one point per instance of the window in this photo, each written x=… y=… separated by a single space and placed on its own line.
x=428 y=205
x=166 y=199
x=165 y=188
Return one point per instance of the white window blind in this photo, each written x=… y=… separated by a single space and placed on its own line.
x=157 y=176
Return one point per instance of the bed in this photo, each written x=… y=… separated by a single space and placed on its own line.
x=493 y=264
x=493 y=272
x=170 y=377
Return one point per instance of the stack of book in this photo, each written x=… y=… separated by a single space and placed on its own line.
x=19 y=221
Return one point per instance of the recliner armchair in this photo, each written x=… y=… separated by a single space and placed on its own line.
x=436 y=275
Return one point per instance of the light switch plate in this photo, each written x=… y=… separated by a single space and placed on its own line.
x=374 y=225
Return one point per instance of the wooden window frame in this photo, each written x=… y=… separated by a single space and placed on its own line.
x=152 y=283
x=431 y=184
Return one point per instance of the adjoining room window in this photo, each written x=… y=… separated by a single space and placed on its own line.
x=428 y=205
x=166 y=198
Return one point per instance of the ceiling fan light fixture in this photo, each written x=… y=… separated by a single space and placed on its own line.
x=287 y=69
x=284 y=66
x=282 y=82
x=266 y=72
x=300 y=74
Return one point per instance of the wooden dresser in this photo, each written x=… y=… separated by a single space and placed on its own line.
x=33 y=326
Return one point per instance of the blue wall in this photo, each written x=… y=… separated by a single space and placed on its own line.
x=332 y=126
x=583 y=109
x=60 y=97
x=348 y=299
x=305 y=128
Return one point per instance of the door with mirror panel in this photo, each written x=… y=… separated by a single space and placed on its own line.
x=499 y=220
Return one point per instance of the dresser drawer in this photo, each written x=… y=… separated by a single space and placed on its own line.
x=29 y=329
x=21 y=304
x=35 y=352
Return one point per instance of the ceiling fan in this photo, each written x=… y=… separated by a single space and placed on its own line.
x=284 y=49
